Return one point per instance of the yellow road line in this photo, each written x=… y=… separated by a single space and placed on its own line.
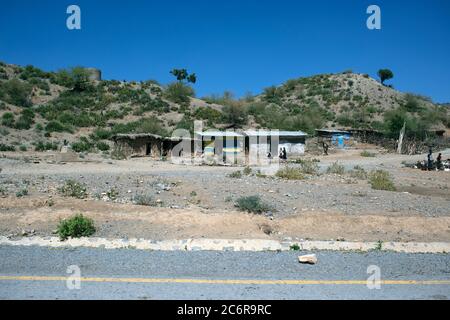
x=230 y=281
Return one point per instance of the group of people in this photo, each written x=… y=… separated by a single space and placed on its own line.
x=282 y=155
x=430 y=160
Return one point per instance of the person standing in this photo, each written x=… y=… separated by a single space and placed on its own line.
x=325 y=148
x=439 y=161
x=430 y=159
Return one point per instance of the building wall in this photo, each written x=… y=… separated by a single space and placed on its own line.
x=138 y=147
x=295 y=146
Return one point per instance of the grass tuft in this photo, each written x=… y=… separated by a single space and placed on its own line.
x=252 y=204
x=381 y=180
x=74 y=189
x=290 y=173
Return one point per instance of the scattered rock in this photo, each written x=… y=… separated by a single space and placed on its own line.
x=308 y=259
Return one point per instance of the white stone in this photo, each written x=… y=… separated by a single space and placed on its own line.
x=309 y=259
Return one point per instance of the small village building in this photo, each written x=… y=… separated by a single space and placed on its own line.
x=145 y=145
x=219 y=146
x=273 y=141
x=226 y=146
x=334 y=137
x=439 y=130
x=236 y=147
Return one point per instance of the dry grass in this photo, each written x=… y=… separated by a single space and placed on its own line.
x=290 y=173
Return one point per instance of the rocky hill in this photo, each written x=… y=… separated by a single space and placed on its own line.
x=39 y=110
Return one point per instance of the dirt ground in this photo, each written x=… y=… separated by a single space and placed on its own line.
x=199 y=201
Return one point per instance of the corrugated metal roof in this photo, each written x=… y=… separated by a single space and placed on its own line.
x=271 y=133
x=331 y=131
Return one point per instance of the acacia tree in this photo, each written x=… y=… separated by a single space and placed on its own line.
x=183 y=75
x=385 y=74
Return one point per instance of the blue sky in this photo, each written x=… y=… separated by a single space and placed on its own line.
x=237 y=45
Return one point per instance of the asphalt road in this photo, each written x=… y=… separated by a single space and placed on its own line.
x=41 y=273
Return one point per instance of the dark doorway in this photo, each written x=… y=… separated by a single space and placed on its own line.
x=148 y=149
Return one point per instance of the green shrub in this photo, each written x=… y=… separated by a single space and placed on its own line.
x=252 y=204
x=336 y=168
x=4 y=131
x=76 y=227
x=3 y=191
x=74 y=189
x=22 y=193
x=23 y=147
x=82 y=119
x=413 y=103
x=112 y=194
x=44 y=146
x=186 y=123
x=290 y=173
x=235 y=174
x=102 y=146
x=4 y=147
x=366 y=153
x=101 y=134
x=124 y=128
x=381 y=180
x=292 y=117
x=24 y=123
x=273 y=94
x=379 y=245
x=56 y=126
x=211 y=115
x=30 y=72
x=39 y=83
x=358 y=172
x=83 y=145
x=234 y=113
x=345 y=120
x=179 y=93
x=309 y=167
x=76 y=78
x=15 y=92
x=144 y=200
x=118 y=154
x=144 y=125
x=28 y=113
x=8 y=119
x=247 y=171
x=150 y=125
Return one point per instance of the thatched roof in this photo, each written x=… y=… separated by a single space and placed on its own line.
x=135 y=136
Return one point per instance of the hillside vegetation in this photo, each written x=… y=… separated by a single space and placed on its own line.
x=41 y=110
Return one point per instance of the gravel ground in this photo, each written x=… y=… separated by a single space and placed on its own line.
x=199 y=201
x=215 y=190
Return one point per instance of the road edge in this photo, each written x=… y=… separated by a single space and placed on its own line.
x=229 y=245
